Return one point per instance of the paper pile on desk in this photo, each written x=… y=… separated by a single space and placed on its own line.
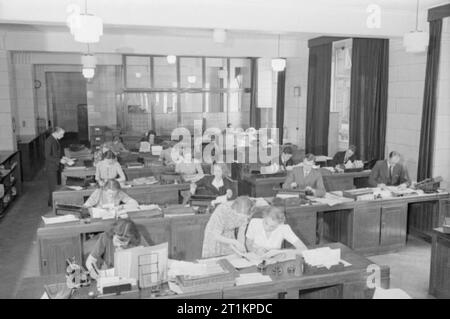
x=252 y=278
x=60 y=219
x=324 y=257
x=330 y=199
x=75 y=188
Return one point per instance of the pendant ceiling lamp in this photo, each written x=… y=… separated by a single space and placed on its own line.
x=89 y=62
x=278 y=64
x=416 y=41
x=85 y=27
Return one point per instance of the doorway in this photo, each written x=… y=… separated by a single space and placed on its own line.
x=67 y=101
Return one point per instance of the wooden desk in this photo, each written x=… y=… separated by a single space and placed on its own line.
x=368 y=227
x=440 y=265
x=144 y=194
x=130 y=173
x=61 y=241
x=347 y=283
x=262 y=185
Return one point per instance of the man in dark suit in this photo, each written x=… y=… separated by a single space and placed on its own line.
x=286 y=158
x=306 y=178
x=389 y=172
x=341 y=158
x=53 y=159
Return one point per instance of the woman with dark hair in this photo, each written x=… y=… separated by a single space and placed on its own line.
x=110 y=195
x=123 y=234
x=116 y=145
x=217 y=184
x=109 y=168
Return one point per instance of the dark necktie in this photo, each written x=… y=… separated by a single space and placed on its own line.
x=390 y=173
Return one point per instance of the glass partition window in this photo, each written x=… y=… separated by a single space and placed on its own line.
x=338 y=139
x=191 y=75
x=165 y=74
x=138 y=73
x=214 y=90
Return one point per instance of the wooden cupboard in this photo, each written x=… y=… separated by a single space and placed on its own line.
x=440 y=265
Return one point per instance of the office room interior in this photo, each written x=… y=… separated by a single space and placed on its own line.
x=225 y=149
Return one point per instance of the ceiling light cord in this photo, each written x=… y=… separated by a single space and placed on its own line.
x=417 y=16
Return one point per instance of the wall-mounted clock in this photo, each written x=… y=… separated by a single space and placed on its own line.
x=37 y=84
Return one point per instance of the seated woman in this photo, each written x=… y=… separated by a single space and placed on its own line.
x=122 y=235
x=217 y=184
x=166 y=154
x=110 y=195
x=220 y=230
x=191 y=170
x=109 y=168
x=116 y=146
x=268 y=233
x=306 y=177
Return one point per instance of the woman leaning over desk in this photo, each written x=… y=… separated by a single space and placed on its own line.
x=122 y=235
x=110 y=195
x=268 y=233
x=109 y=168
x=221 y=227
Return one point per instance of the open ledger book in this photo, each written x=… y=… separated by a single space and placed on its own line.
x=252 y=259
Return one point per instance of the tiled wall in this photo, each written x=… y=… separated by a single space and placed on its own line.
x=25 y=99
x=441 y=166
x=405 y=98
x=7 y=136
x=295 y=106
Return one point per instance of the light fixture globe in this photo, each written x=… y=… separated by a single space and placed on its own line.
x=87 y=28
x=171 y=59
x=89 y=62
x=416 y=41
x=278 y=64
x=219 y=35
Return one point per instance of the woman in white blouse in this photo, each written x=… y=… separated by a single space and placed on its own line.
x=268 y=233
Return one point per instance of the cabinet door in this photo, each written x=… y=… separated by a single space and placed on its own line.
x=444 y=210
x=156 y=232
x=393 y=224
x=440 y=268
x=303 y=224
x=366 y=225
x=55 y=251
x=187 y=238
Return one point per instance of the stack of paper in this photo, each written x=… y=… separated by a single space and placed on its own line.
x=323 y=257
x=331 y=199
x=180 y=268
x=252 y=278
x=60 y=219
x=75 y=188
x=285 y=196
x=156 y=150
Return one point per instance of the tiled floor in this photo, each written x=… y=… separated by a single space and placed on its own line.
x=19 y=250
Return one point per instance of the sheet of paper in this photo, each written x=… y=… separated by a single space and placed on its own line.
x=285 y=196
x=75 y=188
x=60 y=219
x=175 y=288
x=252 y=278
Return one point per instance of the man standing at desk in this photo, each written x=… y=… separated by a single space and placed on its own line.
x=53 y=158
x=306 y=178
x=389 y=172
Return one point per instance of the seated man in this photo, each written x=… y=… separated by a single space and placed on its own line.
x=341 y=158
x=305 y=177
x=389 y=172
x=286 y=161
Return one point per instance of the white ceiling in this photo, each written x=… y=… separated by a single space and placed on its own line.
x=198 y=17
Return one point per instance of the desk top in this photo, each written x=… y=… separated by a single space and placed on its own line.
x=5 y=155
x=278 y=176
x=33 y=287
